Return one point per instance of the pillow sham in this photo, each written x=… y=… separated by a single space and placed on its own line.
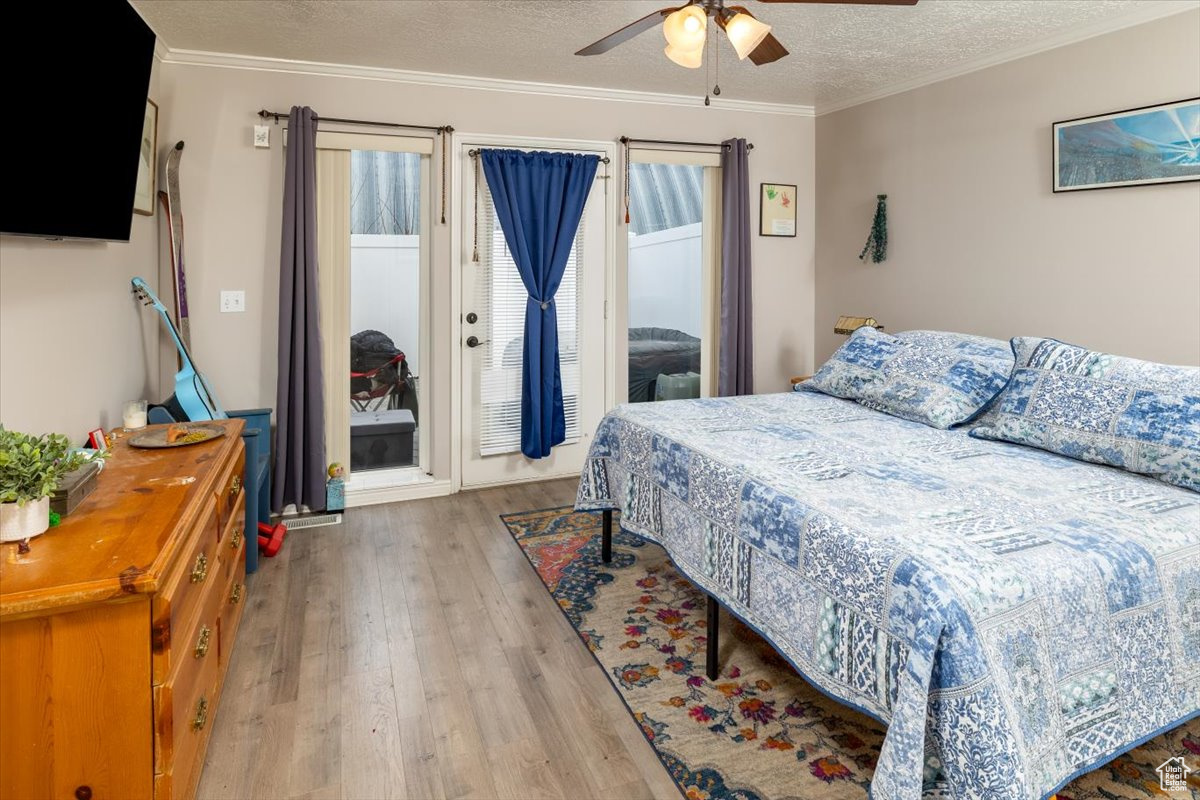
x=1137 y=415
x=937 y=378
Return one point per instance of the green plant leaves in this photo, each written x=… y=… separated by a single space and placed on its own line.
x=31 y=466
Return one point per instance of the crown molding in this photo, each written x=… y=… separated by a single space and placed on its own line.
x=1148 y=11
x=199 y=58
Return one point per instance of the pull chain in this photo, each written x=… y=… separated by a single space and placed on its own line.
x=716 y=68
x=707 y=64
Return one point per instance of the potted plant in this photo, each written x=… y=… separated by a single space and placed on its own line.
x=30 y=468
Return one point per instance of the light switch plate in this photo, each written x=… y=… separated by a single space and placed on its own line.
x=262 y=136
x=233 y=302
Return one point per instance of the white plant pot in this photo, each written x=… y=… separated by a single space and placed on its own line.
x=19 y=522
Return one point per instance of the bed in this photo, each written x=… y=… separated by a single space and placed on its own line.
x=658 y=350
x=1014 y=617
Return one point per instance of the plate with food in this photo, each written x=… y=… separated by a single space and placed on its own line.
x=176 y=435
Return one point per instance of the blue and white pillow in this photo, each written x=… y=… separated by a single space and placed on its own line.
x=1137 y=415
x=938 y=378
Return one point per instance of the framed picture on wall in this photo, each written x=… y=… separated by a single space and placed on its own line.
x=1136 y=147
x=143 y=199
x=777 y=209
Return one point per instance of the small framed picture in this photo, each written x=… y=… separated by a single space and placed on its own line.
x=777 y=209
x=143 y=199
x=96 y=440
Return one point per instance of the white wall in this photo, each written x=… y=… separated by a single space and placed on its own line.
x=233 y=194
x=977 y=240
x=385 y=290
x=665 y=280
x=74 y=344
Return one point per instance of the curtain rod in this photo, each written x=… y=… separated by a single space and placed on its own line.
x=437 y=128
x=631 y=140
x=603 y=159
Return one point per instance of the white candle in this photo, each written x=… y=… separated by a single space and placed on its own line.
x=134 y=414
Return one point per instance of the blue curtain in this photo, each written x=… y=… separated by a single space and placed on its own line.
x=539 y=199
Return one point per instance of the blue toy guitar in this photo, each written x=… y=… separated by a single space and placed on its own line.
x=193 y=399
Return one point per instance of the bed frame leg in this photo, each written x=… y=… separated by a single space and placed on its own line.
x=714 y=625
x=606 y=537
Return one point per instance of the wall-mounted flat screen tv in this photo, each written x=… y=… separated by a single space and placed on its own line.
x=74 y=96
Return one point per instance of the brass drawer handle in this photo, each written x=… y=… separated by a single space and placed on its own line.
x=235 y=596
x=200 y=571
x=236 y=538
x=235 y=486
x=202 y=642
x=201 y=717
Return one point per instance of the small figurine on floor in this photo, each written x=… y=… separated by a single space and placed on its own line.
x=335 y=488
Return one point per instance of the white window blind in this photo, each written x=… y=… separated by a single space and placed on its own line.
x=500 y=303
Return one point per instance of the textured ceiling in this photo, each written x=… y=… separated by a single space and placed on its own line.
x=837 y=51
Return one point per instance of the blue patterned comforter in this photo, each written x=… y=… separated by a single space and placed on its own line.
x=1013 y=616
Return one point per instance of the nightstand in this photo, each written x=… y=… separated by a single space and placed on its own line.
x=800 y=379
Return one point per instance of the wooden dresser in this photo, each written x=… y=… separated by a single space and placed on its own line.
x=116 y=628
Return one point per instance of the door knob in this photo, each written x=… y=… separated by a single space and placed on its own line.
x=473 y=341
x=472 y=317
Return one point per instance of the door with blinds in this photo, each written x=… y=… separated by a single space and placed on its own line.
x=492 y=340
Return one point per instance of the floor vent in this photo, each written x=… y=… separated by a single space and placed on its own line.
x=311 y=521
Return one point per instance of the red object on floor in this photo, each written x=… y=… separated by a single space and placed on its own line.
x=270 y=538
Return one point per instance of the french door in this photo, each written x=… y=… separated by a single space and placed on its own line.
x=373 y=235
x=672 y=280
x=492 y=336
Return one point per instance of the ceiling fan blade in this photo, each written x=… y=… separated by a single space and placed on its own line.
x=850 y=2
x=625 y=34
x=770 y=50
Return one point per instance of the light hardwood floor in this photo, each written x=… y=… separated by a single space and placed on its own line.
x=411 y=652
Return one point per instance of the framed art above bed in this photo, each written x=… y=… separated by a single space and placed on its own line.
x=1135 y=147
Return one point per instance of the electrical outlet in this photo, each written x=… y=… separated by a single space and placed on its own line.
x=233 y=302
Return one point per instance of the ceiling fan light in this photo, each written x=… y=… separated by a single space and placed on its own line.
x=685 y=28
x=745 y=33
x=692 y=59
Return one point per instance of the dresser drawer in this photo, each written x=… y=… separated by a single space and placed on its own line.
x=183 y=714
x=176 y=606
x=229 y=490
x=192 y=647
x=234 y=533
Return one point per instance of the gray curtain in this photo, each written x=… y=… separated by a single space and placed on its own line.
x=300 y=396
x=735 y=374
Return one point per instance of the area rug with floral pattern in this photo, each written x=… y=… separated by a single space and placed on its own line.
x=758 y=732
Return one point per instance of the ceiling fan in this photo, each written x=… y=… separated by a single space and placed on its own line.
x=685 y=28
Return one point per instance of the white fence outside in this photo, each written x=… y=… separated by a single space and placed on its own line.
x=664 y=280
x=385 y=290
x=385 y=285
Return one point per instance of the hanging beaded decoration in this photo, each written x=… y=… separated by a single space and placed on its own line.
x=877 y=241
